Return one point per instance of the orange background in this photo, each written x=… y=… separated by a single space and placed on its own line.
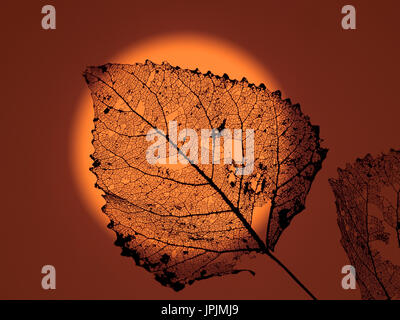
x=346 y=81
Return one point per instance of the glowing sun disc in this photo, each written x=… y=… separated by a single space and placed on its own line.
x=186 y=50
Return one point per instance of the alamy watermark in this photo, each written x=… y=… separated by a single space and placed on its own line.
x=49 y=18
x=234 y=151
x=49 y=280
x=349 y=280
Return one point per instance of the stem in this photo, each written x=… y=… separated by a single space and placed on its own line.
x=295 y=279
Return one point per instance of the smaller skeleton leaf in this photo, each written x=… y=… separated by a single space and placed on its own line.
x=193 y=220
x=368 y=199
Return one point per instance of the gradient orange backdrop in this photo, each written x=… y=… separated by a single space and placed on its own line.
x=346 y=81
